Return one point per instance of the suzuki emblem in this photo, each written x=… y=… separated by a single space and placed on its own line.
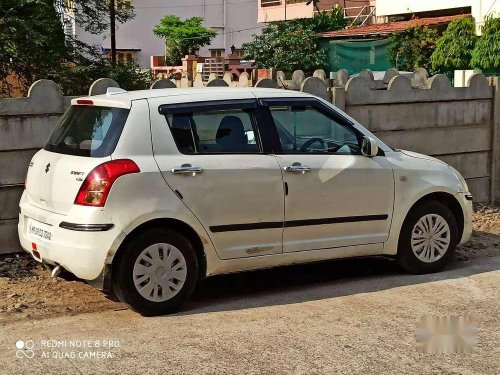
x=47 y=167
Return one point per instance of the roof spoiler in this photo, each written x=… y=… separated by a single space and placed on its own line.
x=114 y=90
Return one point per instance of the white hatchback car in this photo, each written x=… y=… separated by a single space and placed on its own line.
x=149 y=192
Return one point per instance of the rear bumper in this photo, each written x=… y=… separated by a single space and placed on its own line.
x=81 y=252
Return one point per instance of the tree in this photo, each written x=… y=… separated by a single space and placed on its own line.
x=322 y=21
x=28 y=50
x=454 y=48
x=39 y=49
x=292 y=45
x=412 y=48
x=182 y=37
x=97 y=16
x=486 y=54
x=285 y=47
x=93 y=15
x=76 y=79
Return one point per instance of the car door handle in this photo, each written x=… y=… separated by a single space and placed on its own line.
x=297 y=168
x=187 y=169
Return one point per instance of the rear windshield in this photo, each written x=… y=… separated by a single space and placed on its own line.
x=88 y=131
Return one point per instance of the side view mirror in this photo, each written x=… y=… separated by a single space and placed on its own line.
x=369 y=147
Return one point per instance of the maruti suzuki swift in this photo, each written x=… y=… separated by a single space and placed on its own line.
x=148 y=192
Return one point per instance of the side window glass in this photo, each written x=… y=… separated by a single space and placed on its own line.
x=214 y=132
x=304 y=129
x=180 y=125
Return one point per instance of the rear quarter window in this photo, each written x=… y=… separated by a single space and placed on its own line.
x=91 y=131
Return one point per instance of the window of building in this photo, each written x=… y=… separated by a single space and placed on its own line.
x=269 y=3
x=273 y=3
x=120 y=57
x=217 y=53
x=124 y=57
x=239 y=52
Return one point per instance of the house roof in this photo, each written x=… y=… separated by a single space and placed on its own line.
x=389 y=27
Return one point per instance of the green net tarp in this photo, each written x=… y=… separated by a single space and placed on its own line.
x=355 y=55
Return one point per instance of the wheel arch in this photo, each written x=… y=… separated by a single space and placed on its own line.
x=449 y=201
x=401 y=213
x=174 y=224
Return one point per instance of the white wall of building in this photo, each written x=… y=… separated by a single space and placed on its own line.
x=483 y=8
x=226 y=16
x=480 y=8
x=392 y=7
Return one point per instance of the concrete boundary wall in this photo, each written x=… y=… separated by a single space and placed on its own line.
x=25 y=125
x=454 y=124
x=460 y=126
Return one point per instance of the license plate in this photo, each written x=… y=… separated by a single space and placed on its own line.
x=39 y=231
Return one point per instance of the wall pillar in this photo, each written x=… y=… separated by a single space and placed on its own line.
x=338 y=97
x=188 y=65
x=495 y=153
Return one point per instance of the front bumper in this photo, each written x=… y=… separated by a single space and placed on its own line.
x=466 y=203
x=82 y=253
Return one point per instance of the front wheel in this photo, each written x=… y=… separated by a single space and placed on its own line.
x=156 y=272
x=428 y=238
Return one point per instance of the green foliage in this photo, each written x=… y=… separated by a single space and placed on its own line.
x=93 y=15
x=486 y=54
x=323 y=21
x=38 y=49
x=76 y=80
x=412 y=48
x=454 y=48
x=182 y=37
x=285 y=47
x=292 y=45
x=29 y=49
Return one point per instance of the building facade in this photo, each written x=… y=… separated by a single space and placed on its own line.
x=434 y=8
x=281 y=10
x=234 y=20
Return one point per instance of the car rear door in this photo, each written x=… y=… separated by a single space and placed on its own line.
x=209 y=152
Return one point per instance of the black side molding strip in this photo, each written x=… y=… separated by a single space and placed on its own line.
x=295 y=223
x=86 y=227
x=334 y=220
x=251 y=226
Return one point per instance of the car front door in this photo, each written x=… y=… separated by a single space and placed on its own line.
x=335 y=196
x=221 y=174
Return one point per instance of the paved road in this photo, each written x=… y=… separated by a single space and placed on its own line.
x=352 y=316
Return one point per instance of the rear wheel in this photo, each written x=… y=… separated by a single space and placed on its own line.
x=156 y=272
x=428 y=238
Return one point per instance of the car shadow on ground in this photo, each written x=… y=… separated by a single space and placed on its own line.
x=329 y=279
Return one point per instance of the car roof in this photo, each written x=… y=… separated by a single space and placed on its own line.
x=125 y=98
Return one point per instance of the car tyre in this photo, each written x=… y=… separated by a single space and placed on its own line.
x=156 y=272
x=428 y=238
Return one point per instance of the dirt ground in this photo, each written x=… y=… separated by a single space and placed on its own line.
x=353 y=316
x=28 y=292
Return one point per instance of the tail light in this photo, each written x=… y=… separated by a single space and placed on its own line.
x=95 y=189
